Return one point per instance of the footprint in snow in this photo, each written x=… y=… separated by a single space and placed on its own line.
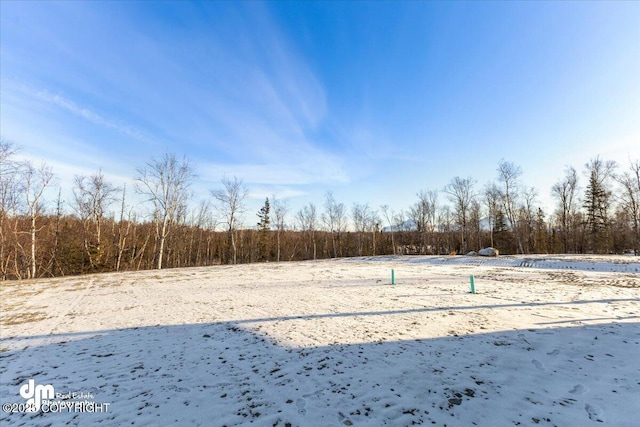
x=554 y=352
x=538 y=364
x=301 y=403
x=577 y=389
x=595 y=413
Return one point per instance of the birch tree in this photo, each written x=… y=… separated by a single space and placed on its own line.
x=93 y=195
x=492 y=203
x=9 y=169
x=334 y=218
x=630 y=199
x=365 y=220
x=565 y=191
x=35 y=180
x=307 y=218
x=124 y=227
x=509 y=174
x=279 y=214
x=388 y=214
x=460 y=191
x=165 y=182
x=230 y=204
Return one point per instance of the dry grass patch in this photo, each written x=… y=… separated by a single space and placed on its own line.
x=21 y=318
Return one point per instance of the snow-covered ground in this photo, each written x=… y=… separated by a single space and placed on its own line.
x=546 y=340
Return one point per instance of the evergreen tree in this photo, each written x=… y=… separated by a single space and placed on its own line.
x=263 y=230
x=540 y=240
x=596 y=204
x=501 y=233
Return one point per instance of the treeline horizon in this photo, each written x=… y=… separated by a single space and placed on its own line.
x=40 y=238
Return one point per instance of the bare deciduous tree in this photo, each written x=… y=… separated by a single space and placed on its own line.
x=445 y=221
x=308 y=220
x=203 y=223
x=279 y=213
x=527 y=216
x=418 y=213
x=423 y=215
x=475 y=217
x=565 y=191
x=630 y=198
x=8 y=173
x=509 y=174
x=124 y=227
x=460 y=191
x=35 y=182
x=8 y=200
x=166 y=182
x=492 y=203
x=231 y=205
x=93 y=195
x=365 y=220
x=335 y=219
x=388 y=215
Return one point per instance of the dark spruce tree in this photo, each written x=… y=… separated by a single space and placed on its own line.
x=263 y=231
x=596 y=205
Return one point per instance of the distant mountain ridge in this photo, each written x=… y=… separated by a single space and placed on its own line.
x=410 y=225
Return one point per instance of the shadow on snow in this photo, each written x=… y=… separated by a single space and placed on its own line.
x=225 y=374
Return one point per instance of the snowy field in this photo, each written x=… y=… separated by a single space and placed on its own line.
x=546 y=340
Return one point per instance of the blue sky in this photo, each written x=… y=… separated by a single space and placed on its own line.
x=373 y=101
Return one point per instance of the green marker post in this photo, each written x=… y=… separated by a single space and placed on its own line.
x=393 y=276
x=473 y=285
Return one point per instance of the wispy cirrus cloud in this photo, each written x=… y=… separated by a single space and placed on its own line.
x=69 y=106
x=275 y=173
x=231 y=91
x=265 y=120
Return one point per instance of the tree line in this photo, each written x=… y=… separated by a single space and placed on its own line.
x=100 y=231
